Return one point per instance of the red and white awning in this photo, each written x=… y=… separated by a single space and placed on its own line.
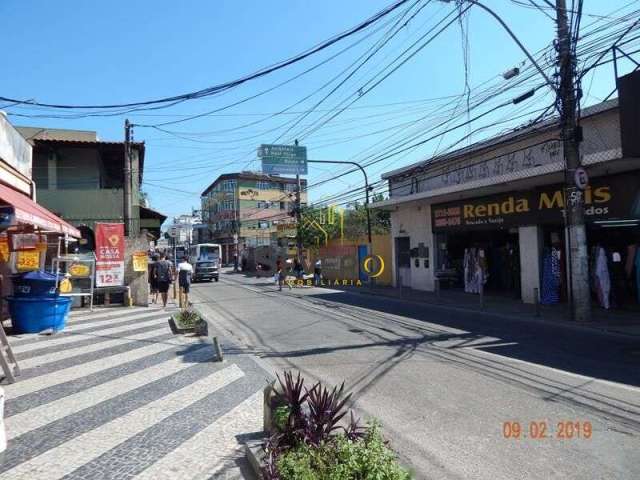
x=27 y=211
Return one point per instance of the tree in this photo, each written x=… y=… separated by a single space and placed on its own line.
x=326 y=223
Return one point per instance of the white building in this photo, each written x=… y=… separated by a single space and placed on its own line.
x=505 y=197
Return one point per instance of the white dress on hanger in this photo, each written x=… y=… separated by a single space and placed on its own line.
x=602 y=278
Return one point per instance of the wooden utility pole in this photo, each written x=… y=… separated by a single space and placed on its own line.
x=127 y=206
x=577 y=261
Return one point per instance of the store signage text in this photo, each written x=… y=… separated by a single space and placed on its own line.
x=603 y=199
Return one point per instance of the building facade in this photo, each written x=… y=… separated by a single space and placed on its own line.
x=248 y=208
x=82 y=179
x=491 y=216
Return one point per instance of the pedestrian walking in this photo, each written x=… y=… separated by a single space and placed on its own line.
x=298 y=270
x=278 y=270
x=281 y=278
x=317 y=273
x=185 y=271
x=163 y=276
x=153 y=283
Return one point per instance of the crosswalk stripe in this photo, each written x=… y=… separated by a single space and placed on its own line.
x=64 y=459
x=30 y=385
x=186 y=461
x=111 y=312
x=32 y=338
x=96 y=347
x=79 y=335
x=77 y=327
x=42 y=415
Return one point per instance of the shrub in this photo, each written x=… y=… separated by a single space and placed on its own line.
x=187 y=318
x=309 y=444
x=342 y=459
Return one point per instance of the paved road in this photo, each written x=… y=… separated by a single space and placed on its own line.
x=443 y=382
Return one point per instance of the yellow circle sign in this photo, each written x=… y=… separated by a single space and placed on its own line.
x=373 y=265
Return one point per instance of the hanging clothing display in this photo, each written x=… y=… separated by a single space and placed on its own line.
x=631 y=256
x=637 y=265
x=475 y=269
x=468 y=269
x=602 y=279
x=551 y=277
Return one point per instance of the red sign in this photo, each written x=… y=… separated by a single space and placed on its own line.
x=109 y=254
x=110 y=242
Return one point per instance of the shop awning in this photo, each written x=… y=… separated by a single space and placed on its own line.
x=26 y=211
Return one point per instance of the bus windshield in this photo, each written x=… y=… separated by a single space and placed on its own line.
x=208 y=252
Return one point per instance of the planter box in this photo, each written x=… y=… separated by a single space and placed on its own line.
x=200 y=326
x=255 y=456
x=177 y=328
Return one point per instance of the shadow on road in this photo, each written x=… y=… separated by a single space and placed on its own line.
x=585 y=353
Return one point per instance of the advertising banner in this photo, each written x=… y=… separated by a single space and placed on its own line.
x=606 y=198
x=140 y=262
x=28 y=260
x=109 y=254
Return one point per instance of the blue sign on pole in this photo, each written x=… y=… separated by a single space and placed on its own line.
x=283 y=159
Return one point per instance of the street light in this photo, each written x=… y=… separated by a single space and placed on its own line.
x=367 y=188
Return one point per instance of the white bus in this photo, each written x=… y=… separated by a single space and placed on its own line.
x=205 y=259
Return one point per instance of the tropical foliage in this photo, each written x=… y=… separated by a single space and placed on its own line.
x=310 y=441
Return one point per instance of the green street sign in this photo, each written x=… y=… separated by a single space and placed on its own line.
x=283 y=159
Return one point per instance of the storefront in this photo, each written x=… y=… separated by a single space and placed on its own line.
x=29 y=233
x=479 y=241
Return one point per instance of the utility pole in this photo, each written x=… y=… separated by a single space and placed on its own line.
x=298 y=212
x=578 y=261
x=126 y=212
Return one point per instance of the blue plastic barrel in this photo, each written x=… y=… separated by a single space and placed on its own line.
x=33 y=315
x=34 y=284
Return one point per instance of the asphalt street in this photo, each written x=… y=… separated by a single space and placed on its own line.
x=444 y=381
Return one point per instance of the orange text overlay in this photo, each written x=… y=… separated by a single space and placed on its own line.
x=543 y=429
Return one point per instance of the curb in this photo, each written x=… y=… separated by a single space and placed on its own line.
x=513 y=318
x=255 y=456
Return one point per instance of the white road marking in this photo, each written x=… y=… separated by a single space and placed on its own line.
x=96 y=347
x=79 y=335
x=41 y=415
x=30 y=385
x=64 y=459
x=186 y=461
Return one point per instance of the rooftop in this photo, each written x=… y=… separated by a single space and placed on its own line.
x=252 y=176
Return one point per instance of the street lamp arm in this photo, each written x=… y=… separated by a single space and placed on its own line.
x=518 y=42
x=366 y=186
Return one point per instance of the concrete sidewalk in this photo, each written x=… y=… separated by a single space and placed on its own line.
x=613 y=322
x=117 y=395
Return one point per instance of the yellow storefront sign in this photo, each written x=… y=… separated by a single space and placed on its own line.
x=79 y=270
x=140 y=262
x=28 y=260
x=4 y=249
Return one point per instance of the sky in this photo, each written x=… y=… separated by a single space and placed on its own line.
x=79 y=52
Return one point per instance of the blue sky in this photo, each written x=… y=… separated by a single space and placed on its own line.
x=80 y=52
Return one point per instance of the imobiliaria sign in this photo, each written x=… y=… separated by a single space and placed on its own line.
x=109 y=254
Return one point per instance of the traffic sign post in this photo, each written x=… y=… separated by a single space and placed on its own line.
x=283 y=159
x=581 y=178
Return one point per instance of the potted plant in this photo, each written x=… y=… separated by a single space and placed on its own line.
x=184 y=321
x=308 y=437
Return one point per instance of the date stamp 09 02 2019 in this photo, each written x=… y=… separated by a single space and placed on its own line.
x=541 y=429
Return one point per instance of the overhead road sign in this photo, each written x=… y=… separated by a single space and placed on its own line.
x=283 y=159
